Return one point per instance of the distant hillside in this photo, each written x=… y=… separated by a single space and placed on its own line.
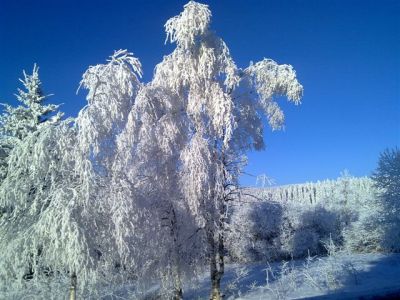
x=343 y=189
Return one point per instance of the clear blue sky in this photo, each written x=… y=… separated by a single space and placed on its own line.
x=346 y=53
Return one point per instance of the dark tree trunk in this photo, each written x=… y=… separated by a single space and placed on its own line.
x=72 y=288
x=178 y=295
x=217 y=264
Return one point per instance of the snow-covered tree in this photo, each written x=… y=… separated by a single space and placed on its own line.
x=112 y=91
x=17 y=122
x=387 y=180
x=159 y=160
x=145 y=173
x=31 y=212
x=222 y=109
x=60 y=220
x=387 y=174
x=6 y=145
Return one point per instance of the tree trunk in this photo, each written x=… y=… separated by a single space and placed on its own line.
x=215 y=282
x=178 y=295
x=72 y=288
x=216 y=265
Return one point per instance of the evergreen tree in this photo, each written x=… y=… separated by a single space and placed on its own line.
x=18 y=122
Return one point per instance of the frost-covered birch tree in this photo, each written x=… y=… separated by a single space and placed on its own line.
x=133 y=153
x=149 y=157
x=222 y=107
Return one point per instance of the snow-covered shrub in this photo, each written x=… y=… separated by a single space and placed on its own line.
x=304 y=227
x=288 y=279
x=270 y=230
x=284 y=280
x=333 y=271
x=345 y=210
x=254 y=230
x=364 y=230
x=366 y=233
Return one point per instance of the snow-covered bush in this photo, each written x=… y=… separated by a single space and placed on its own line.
x=366 y=233
x=269 y=230
x=345 y=210
x=254 y=230
x=351 y=201
x=331 y=273
x=304 y=227
x=363 y=229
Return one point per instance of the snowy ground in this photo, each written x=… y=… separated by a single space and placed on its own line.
x=340 y=276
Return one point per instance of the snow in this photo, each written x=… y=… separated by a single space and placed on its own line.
x=363 y=275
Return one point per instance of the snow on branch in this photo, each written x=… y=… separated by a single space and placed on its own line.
x=192 y=22
x=126 y=59
x=112 y=91
x=270 y=79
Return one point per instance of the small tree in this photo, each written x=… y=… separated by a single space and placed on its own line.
x=387 y=180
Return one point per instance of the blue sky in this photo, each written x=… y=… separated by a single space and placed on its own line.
x=346 y=53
